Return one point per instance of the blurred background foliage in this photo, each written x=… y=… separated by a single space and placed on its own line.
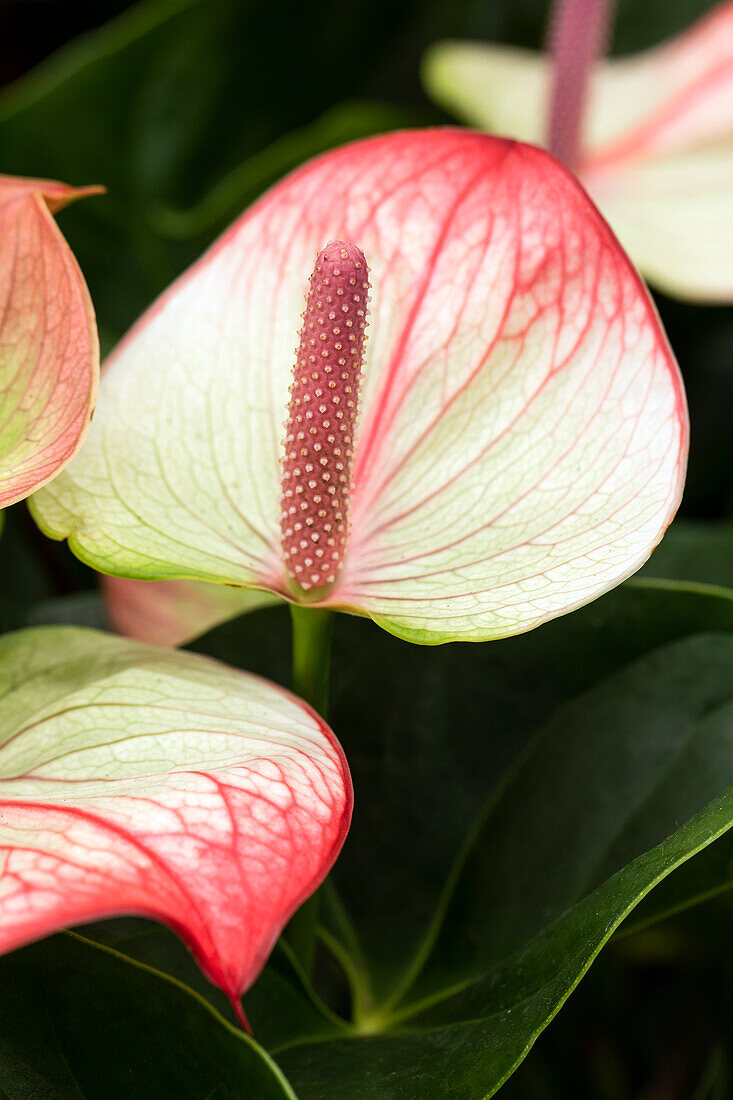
x=186 y=110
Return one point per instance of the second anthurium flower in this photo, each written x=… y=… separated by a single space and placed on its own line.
x=502 y=442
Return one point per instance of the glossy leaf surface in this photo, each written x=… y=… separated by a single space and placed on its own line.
x=523 y=430
x=281 y=1006
x=134 y=779
x=49 y=352
x=566 y=771
x=658 y=141
x=80 y=1022
x=605 y=739
x=471 y=1043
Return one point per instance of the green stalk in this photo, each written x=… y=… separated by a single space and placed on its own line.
x=312 y=629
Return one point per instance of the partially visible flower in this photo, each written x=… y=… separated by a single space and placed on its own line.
x=49 y=351
x=518 y=446
x=141 y=780
x=658 y=141
x=171 y=613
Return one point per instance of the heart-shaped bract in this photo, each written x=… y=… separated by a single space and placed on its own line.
x=521 y=438
x=49 y=351
x=141 y=780
x=657 y=141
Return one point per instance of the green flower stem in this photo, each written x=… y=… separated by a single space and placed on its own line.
x=312 y=630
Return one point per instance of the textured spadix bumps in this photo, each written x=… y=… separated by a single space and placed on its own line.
x=321 y=425
x=140 y=780
x=49 y=352
x=522 y=431
x=658 y=141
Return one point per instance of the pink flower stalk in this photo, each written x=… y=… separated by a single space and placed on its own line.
x=521 y=435
x=578 y=32
x=49 y=350
x=656 y=133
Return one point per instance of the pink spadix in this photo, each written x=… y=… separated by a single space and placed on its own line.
x=324 y=399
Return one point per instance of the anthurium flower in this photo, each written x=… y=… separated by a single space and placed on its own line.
x=503 y=443
x=49 y=351
x=658 y=141
x=141 y=780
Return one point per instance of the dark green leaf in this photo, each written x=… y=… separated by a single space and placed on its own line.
x=596 y=738
x=185 y=110
x=569 y=757
x=280 y=1007
x=612 y=774
x=706 y=876
x=80 y=1021
x=432 y=746
x=694 y=551
x=468 y=1046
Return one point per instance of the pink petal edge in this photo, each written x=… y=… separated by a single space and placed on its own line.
x=222 y=854
x=171 y=613
x=48 y=335
x=56 y=195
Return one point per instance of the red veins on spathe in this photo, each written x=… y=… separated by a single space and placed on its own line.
x=162 y=784
x=521 y=435
x=49 y=351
